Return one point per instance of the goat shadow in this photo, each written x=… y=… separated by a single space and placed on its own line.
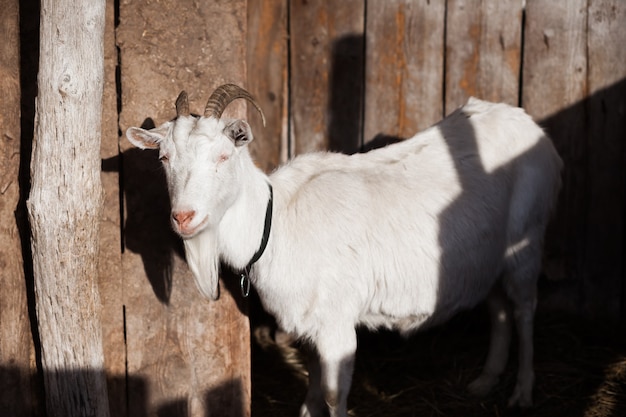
x=128 y=395
x=145 y=207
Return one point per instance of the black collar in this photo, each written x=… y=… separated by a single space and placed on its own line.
x=245 y=281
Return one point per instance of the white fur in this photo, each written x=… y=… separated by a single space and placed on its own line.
x=400 y=237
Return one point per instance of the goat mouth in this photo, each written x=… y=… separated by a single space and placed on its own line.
x=189 y=232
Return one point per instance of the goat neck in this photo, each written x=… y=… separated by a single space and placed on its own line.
x=237 y=236
x=240 y=232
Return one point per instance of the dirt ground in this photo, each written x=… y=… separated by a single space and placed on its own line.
x=580 y=370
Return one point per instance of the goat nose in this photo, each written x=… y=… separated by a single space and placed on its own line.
x=182 y=218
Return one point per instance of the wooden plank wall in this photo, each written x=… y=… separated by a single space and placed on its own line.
x=411 y=62
x=324 y=34
x=404 y=58
x=267 y=64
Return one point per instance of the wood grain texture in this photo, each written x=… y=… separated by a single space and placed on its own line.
x=64 y=207
x=326 y=74
x=268 y=81
x=555 y=63
x=404 y=67
x=554 y=89
x=483 y=51
x=17 y=391
x=186 y=355
x=607 y=150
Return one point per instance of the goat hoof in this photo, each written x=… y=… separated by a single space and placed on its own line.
x=311 y=411
x=520 y=399
x=304 y=411
x=482 y=385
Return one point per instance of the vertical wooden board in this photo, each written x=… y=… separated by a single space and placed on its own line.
x=554 y=87
x=607 y=130
x=555 y=62
x=268 y=80
x=404 y=67
x=110 y=281
x=483 y=51
x=326 y=74
x=17 y=394
x=186 y=355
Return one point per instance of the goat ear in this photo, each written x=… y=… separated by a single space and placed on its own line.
x=147 y=139
x=239 y=132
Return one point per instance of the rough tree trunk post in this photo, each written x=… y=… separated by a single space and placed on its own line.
x=65 y=204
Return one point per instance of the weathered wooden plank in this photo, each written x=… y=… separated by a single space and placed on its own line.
x=483 y=51
x=326 y=74
x=64 y=207
x=110 y=282
x=268 y=80
x=404 y=66
x=554 y=87
x=186 y=355
x=17 y=393
x=607 y=130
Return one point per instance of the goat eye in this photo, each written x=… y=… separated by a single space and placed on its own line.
x=164 y=158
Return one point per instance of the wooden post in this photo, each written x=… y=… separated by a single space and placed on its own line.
x=17 y=367
x=65 y=204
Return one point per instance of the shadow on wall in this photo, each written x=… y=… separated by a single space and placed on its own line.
x=345 y=106
x=347 y=98
x=21 y=390
x=147 y=230
x=585 y=243
x=227 y=396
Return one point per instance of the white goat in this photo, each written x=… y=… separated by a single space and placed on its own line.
x=400 y=237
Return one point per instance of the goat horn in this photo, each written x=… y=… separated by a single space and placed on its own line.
x=223 y=96
x=182 y=104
